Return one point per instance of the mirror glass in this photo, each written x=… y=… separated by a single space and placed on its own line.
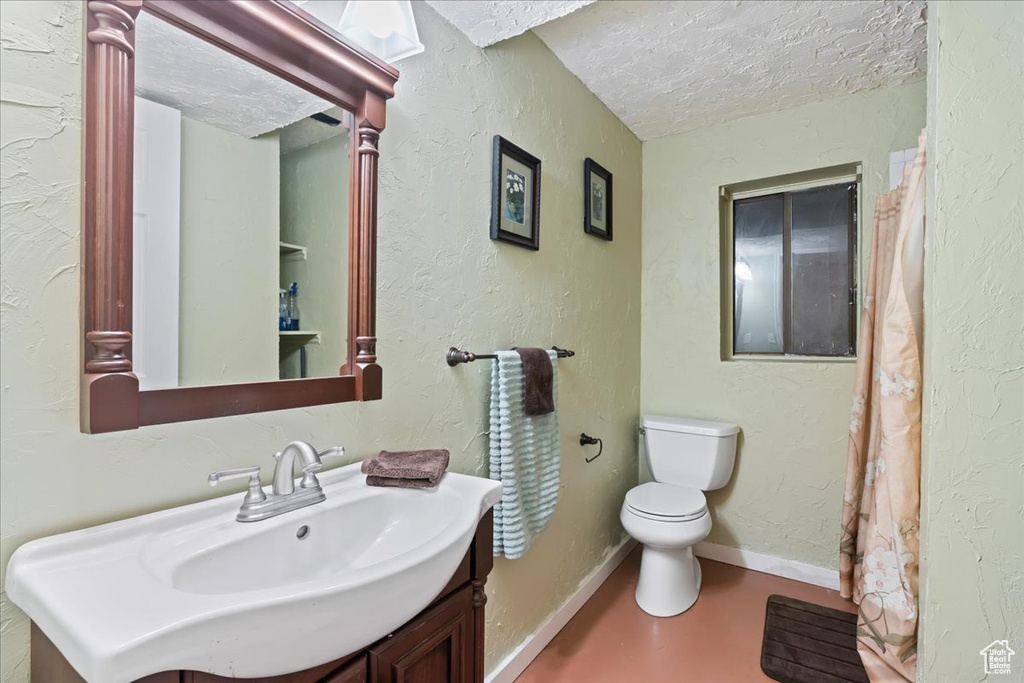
x=241 y=189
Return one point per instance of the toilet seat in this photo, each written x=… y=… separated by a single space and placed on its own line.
x=666 y=502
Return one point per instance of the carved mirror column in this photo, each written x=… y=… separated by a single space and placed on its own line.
x=363 y=254
x=109 y=389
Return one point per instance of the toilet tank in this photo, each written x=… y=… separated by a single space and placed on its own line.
x=688 y=452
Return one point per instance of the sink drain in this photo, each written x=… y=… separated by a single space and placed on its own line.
x=302 y=533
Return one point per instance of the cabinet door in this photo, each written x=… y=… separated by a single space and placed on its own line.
x=435 y=647
x=354 y=672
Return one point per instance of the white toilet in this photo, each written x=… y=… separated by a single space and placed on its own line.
x=670 y=514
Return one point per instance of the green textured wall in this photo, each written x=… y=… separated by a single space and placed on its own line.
x=972 y=519
x=786 y=492
x=442 y=281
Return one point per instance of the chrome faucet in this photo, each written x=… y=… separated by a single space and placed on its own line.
x=284 y=470
x=284 y=497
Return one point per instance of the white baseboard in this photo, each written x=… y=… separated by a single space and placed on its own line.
x=509 y=669
x=790 y=569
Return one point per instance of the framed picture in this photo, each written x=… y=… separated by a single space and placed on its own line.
x=597 y=200
x=515 y=195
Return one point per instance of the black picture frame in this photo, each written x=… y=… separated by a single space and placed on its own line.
x=523 y=194
x=597 y=200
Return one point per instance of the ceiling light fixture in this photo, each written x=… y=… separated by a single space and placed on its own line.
x=743 y=272
x=386 y=28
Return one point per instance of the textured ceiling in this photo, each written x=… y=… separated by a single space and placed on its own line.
x=485 y=22
x=662 y=67
x=206 y=84
x=668 y=67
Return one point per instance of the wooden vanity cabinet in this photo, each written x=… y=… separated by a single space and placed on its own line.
x=436 y=646
x=443 y=644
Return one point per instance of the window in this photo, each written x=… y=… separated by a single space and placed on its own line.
x=793 y=269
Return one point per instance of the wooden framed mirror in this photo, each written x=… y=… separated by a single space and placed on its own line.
x=152 y=359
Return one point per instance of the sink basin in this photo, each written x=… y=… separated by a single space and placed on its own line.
x=190 y=588
x=362 y=530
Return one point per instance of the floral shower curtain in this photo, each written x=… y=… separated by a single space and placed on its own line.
x=879 y=548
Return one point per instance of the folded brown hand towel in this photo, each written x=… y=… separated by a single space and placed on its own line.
x=537 y=398
x=406 y=469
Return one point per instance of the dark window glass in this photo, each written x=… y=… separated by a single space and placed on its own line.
x=793 y=272
x=758 y=313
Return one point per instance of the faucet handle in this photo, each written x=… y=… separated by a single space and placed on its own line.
x=309 y=480
x=255 y=493
x=332 y=452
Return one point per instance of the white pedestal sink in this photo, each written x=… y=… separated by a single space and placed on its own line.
x=191 y=588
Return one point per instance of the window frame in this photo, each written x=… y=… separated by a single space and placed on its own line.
x=785 y=186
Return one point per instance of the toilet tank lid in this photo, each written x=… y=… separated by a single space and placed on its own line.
x=688 y=426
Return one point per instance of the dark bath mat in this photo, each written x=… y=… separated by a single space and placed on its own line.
x=807 y=643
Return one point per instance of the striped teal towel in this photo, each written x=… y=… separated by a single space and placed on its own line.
x=524 y=457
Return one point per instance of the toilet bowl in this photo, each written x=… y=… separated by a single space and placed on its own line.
x=669 y=573
x=669 y=516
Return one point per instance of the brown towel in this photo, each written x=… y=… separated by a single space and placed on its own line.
x=537 y=398
x=406 y=469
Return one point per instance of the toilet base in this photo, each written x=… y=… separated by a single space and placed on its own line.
x=669 y=581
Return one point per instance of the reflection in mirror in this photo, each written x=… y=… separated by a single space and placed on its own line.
x=758 y=312
x=241 y=189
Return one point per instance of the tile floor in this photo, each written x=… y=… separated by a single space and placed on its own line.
x=718 y=640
